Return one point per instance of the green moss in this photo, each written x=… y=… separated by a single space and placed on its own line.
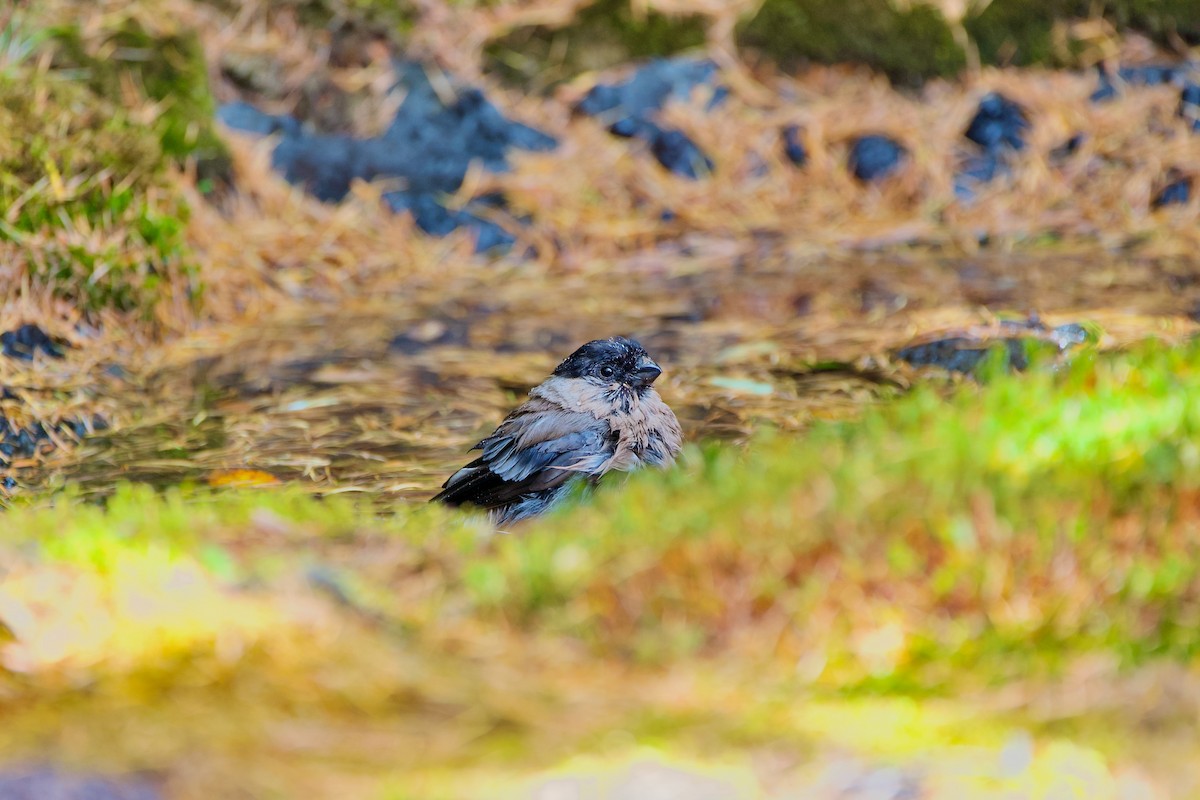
x=908 y=44
x=1162 y=19
x=85 y=190
x=882 y=34
x=169 y=70
x=604 y=34
x=1019 y=31
x=1023 y=31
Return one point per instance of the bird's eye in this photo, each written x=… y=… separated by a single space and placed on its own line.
x=606 y=371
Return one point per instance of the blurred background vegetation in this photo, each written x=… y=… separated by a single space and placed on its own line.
x=935 y=533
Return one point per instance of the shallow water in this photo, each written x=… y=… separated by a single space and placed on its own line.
x=384 y=395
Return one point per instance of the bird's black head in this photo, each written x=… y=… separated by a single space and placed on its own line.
x=611 y=361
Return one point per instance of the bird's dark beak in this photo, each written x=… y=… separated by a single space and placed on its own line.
x=647 y=372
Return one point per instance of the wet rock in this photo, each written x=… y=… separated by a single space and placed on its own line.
x=998 y=123
x=793 y=147
x=961 y=354
x=430 y=144
x=26 y=342
x=1015 y=341
x=1177 y=192
x=1189 y=105
x=874 y=157
x=49 y=784
x=629 y=108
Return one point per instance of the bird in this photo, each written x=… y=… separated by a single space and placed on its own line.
x=596 y=413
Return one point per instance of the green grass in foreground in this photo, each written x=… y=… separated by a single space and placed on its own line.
x=935 y=547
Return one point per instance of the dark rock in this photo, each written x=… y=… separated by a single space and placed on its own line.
x=1189 y=105
x=998 y=128
x=965 y=354
x=960 y=354
x=650 y=87
x=245 y=117
x=976 y=170
x=874 y=157
x=436 y=220
x=793 y=147
x=26 y=342
x=1177 y=192
x=25 y=443
x=17 y=442
x=48 y=784
x=998 y=122
x=629 y=108
x=675 y=151
x=430 y=144
x=1150 y=75
x=628 y=127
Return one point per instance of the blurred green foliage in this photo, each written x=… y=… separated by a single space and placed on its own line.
x=936 y=514
x=933 y=546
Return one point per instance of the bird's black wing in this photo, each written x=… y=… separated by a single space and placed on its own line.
x=537 y=448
